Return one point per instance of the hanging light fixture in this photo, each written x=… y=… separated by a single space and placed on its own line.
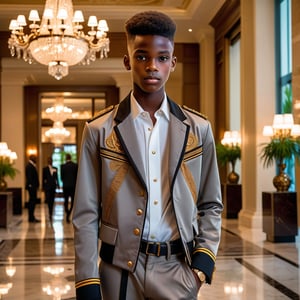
x=59 y=40
x=58 y=133
x=58 y=112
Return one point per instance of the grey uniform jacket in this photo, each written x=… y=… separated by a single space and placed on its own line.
x=111 y=194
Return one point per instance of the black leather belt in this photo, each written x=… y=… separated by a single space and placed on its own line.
x=161 y=249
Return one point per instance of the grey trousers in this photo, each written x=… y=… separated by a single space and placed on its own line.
x=155 y=278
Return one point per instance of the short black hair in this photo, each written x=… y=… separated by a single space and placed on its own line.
x=151 y=23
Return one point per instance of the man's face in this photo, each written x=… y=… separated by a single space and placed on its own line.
x=151 y=60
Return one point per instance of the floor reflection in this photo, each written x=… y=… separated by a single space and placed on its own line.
x=36 y=262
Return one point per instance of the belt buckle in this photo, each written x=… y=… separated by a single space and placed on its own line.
x=158 y=248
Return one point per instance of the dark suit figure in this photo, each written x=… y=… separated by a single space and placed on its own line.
x=32 y=185
x=68 y=176
x=50 y=183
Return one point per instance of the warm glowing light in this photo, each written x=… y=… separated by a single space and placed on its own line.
x=4 y=288
x=56 y=288
x=231 y=138
x=31 y=151
x=283 y=126
x=233 y=288
x=54 y=270
x=6 y=154
x=58 y=133
x=58 y=112
x=59 y=41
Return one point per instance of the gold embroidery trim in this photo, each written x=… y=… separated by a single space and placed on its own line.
x=207 y=252
x=86 y=282
x=112 y=155
x=113 y=143
x=190 y=180
x=121 y=170
x=192 y=142
x=192 y=154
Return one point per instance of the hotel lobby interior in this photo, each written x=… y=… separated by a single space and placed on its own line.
x=228 y=69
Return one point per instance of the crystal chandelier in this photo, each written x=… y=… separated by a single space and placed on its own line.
x=59 y=40
x=58 y=114
x=58 y=133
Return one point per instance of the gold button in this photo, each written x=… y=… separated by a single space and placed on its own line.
x=139 y=211
x=130 y=264
x=155 y=202
x=153 y=152
x=142 y=193
x=155 y=179
x=136 y=231
x=149 y=129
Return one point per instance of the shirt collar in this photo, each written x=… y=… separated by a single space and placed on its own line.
x=136 y=109
x=33 y=163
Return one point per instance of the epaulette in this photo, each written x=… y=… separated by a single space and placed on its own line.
x=195 y=112
x=102 y=112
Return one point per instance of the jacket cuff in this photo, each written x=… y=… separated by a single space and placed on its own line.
x=88 y=289
x=204 y=260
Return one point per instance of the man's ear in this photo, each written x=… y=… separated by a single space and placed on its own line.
x=174 y=61
x=126 y=62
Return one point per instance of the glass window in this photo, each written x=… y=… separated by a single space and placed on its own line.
x=283 y=54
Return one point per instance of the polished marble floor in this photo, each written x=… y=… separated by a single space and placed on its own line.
x=36 y=262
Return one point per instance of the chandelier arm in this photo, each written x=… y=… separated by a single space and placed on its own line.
x=58 y=42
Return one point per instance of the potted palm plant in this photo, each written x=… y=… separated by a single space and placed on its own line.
x=280 y=208
x=228 y=152
x=7 y=169
x=284 y=145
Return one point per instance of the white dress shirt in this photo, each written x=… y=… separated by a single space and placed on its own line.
x=160 y=224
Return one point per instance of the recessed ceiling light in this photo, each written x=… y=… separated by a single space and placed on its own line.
x=190 y=29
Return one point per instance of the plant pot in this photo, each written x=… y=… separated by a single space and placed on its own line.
x=233 y=177
x=282 y=181
x=3 y=184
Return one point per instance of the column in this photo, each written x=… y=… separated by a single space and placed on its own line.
x=257 y=103
x=296 y=83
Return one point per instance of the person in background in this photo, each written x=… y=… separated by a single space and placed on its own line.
x=32 y=185
x=68 y=173
x=50 y=184
x=148 y=185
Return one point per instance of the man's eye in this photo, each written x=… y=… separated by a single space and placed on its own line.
x=164 y=58
x=141 y=57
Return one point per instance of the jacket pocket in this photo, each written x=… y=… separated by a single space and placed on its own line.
x=108 y=234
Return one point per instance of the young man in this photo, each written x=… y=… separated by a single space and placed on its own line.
x=148 y=185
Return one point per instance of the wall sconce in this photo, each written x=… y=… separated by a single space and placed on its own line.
x=31 y=151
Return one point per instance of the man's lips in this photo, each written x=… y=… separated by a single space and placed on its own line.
x=151 y=79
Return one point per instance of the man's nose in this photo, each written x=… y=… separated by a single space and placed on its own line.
x=151 y=65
